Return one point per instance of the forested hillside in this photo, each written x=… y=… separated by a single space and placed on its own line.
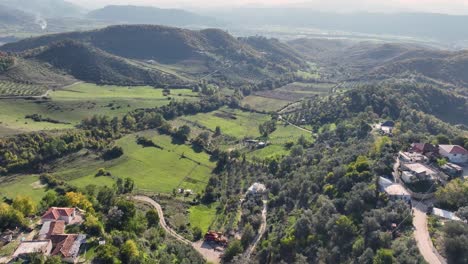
x=93 y=65
x=5 y=62
x=377 y=61
x=204 y=51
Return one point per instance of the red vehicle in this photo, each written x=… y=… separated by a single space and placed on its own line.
x=217 y=237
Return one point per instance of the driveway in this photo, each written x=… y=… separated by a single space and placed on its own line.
x=422 y=237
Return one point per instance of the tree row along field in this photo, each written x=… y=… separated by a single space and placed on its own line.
x=20 y=89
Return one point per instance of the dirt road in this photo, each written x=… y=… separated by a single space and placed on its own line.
x=298 y=127
x=422 y=237
x=162 y=221
x=261 y=231
x=207 y=252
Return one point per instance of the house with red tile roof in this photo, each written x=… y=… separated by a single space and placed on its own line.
x=67 y=246
x=59 y=213
x=50 y=228
x=423 y=148
x=454 y=153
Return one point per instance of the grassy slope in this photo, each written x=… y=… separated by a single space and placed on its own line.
x=263 y=103
x=235 y=123
x=23 y=185
x=152 y=168
x=76 y=102
x=277 y=139
x=202 y=216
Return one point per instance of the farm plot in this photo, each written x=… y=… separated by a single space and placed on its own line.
x=74 y=103
x=162 y=169
x=26 y=185
x=8 y=88
x=264 y=103
x=277 y=141
x=297 y=91
x=235 y=123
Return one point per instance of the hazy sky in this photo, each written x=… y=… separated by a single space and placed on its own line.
x=438 y=6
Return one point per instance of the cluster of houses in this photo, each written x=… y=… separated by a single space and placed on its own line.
x=52 y=239
x=417 y=164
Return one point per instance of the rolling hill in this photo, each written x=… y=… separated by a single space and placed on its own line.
x=93 y=65
x=192 y=53
x=150 y=15
x=377 y=61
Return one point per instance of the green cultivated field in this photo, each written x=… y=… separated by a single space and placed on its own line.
x=203 y=216
x=76 y=102
x=277 y=139
x=234 y=123
x=283 y=134
x=27 y=185
x=263 y=103
x=152 y=169
x=20 y=89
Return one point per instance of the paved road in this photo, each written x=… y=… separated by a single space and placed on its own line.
x=421 y=232
x=422 y=237
x=261 y=231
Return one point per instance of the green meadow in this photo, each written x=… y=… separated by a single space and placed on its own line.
x=202 y=216
x=25 y=185
x=72 y=104
x=152 y=169
x=235 y=123
x=264 y=103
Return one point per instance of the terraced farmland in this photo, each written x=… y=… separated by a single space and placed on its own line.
x=8 y=88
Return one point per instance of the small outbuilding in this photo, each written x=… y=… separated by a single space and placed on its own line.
x=257 y=189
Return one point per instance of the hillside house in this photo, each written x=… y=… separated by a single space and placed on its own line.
x=417 y=172
x=43 y=247
x=50 y=228
x=256 y=189
x=65 y=214
x=423 y=148
x=387 y=127
x=454 y=153
x=67 y=246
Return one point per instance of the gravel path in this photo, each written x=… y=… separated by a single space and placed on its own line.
x=205 y=249
x=261 y=231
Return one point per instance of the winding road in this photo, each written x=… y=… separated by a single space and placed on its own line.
x=162 y=221
x=209 y=255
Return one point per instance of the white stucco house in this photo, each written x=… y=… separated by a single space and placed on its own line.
x=454 y=153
